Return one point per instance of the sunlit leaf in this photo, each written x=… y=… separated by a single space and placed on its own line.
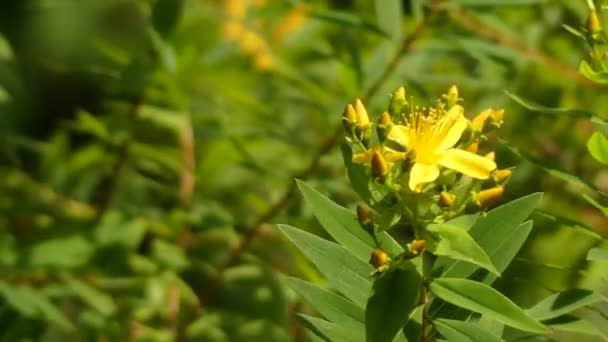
x=483 y=299
x=598 y=147
x=564 y=302
x=394 y=296
x=454 y=330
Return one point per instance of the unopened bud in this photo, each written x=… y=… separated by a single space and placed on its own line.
x=349 y=120
x=496 y=117
x=362 y=214
x=384 y=126
x=473 y=147
x=361 y=112
x=486 y=198
x=451 y=98
x=379 y=258
x=593 y=23
x=446 y=199
x=502 y=175
x=416 y=246
x=490 y=155
x=397 y=103
x=379 y=165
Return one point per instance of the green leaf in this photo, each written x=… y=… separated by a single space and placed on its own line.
x=394 y=297
x=333 y=307
x=31 y=302
x=586 y=70
x=492 y=233
x=388 y=14
x=510 y=246
x=356 y=174
x=564 y=302
x=90 y=295
x=481 y=298
x=575 y=325
x=598 y=254
x=64 y=252
x=345 y=272
x=549 y=110
x=456 y=243
x=459 y=331
x=342 y=225
x=345 y=19
x=333 y=332
x=598 y=147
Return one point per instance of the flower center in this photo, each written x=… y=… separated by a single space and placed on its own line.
x=427 y=131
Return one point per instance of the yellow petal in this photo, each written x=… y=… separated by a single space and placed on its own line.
x=466 y=163
x=362 y=157
x=398 y=134
x=459 y=124
x=478 y=121
x=392 y=156
x=422 y=173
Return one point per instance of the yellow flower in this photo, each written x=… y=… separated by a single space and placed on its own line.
x=430 y=138
x=389 y=155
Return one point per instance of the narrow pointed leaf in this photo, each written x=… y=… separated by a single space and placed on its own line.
x=394 y=297
x=565 y=302
x=510 y=246
x=343 y=226
x=333 y=332
x=483 y=299
x=345 y=272
x=491 y=232
x=575 y=325
x=333 y=307
x=459 y=331
x=456 y=243
x=598 y=253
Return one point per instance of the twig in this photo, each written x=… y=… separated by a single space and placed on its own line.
x=473 y=24
x=123 y=152
x=252 y=230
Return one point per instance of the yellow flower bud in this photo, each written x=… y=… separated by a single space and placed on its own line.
x=362 y=214
x=451 y=98
x=379 y=258
x=379 y=165
x=491 y=156
x=398 y=102
x=416 y=246
x=349 y=113
x=362 y=116
x=487 y=197
x=473 y=147
x=502 y=175
x=479 y=121
x=496 y=117
x=446 y=199
x=593 y=23
x=384 y=126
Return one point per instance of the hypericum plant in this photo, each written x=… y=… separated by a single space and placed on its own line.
x=421 y=177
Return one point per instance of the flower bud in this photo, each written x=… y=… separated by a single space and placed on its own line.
x=451 y=98
x=502 y=175
x=362 y=116
x=594 y=27
x=379 y=165
x=446 y=199
x=486 y=198
x=397 y=103
x=473 y=147
x=496 y=117
x=384 y=126
x=349 y=119
x=362 y=214
x=416 y=246
x=379 y=258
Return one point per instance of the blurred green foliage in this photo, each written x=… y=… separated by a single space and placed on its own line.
x=147 y=147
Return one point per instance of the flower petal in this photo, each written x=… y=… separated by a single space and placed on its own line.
x=398 y=134
x=422 y=173
x=455 y=116
x=362 y=157
x=392 y=156
x=466 y=163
